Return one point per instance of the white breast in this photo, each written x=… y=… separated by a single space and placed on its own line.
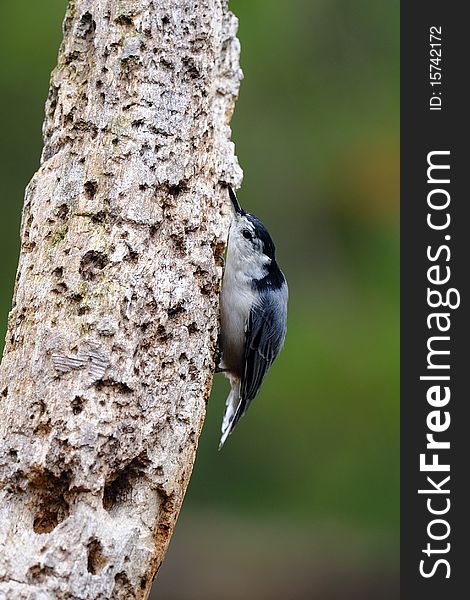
x=237 y=299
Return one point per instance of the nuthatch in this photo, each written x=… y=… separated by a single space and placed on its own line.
x=253 y=312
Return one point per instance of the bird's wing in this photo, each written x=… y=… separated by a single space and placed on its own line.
x=265 y=333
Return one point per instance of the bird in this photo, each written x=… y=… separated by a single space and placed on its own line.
x=253 y=312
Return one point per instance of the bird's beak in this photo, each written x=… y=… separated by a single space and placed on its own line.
x=238 y=209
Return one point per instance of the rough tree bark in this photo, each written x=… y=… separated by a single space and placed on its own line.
x=109 y=353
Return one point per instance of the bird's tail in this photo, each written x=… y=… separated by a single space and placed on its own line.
x=231 y=414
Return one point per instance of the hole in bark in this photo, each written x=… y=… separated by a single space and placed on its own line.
x=52 y=508
x=90 y=188
x=175 y=190
x=99 y=217
x=162 y=334
x=179 y=243
x=119 y=489
x=38 y=408
x=86 y=25
x=77 y=405
x=58 y=272
x=52 y=98
x=192 y=328
x=176 y=309
x=60 y=287
x=29 y=246
x=206 y=284
x=191 y=67
x=96 y=559
x=165 y=20
x=122 y=587
x=5 y=392
x=68 y=119
x=38 y=573
x=62 y=212
x=119 y=386
x=124 y=20
x=153 y=231
x=76 y=297
x=70 y=57
x=144 y=149
x=42 y=429
x=193 y=373
x=165 y=62
x=92 y=262
x=116 y=491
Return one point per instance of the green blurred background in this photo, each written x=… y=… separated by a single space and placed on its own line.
x=303 y=501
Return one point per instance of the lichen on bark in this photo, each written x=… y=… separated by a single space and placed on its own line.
x=108 y=359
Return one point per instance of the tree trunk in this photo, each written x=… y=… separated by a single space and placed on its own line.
x=109 y=353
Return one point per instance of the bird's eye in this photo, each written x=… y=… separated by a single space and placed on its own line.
x=247 y=234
